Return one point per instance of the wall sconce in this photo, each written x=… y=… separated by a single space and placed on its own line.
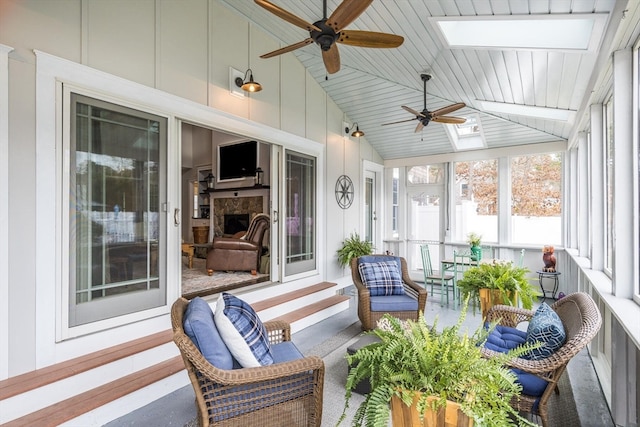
x=248 y=85
x=259 y=173
x=211 y=181
x=357 y=133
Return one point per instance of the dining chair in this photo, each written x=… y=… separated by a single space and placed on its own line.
x=432 y=277
x=461 y=262
x=521 y=259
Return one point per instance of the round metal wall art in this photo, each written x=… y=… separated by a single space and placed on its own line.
x=344 y=191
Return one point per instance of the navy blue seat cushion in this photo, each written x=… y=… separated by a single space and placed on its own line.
x=545 y=327
x=198 y=324
x=505 y=338
x=242 y=331
x=393 y=303
x=381 y=278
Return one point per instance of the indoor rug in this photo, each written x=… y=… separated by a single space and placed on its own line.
x=196 y=281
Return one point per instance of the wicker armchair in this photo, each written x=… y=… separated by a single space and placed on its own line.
x=282 y=394
x=581 y=319
x=368 y=316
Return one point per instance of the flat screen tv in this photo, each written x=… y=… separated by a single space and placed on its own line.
x=237 y=161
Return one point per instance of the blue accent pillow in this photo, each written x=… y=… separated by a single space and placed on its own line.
x=381 y=278
x=242 y=332
x=545 y=327
x=198 y=324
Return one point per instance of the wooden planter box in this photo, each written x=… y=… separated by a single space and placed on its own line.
x=491 y=297
x=407 y=416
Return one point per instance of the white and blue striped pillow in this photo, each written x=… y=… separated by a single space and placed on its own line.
x=242 y=332
x=381 y=278
x=546 y=328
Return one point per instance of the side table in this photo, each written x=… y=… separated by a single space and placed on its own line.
x=554 y=275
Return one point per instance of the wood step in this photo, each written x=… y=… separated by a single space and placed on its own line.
x=35 y=379
x=73 y=407
x=310 y=309
x=290 y=296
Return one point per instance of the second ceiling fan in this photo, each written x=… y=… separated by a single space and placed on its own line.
x=328 y=31
x=425 y=116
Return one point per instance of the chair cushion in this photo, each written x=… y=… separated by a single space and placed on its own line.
x=389 y=303
x=381 y=258
x=381 y=278
x=504 y=338
x=545 y=327
x=242 y=331
x=198 y=324
x=285 y=351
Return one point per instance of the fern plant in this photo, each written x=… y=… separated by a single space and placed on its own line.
x=353 y=247
x=503 y=276
x=413 y=357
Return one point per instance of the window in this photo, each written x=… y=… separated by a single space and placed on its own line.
x=115 y=181
x=394 y=202
x=608 y=152
x=430 y=174
x=536 y=199
x=301 y=210
x=476 y=200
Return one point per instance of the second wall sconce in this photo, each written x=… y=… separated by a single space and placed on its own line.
x=357 y=133
x=248 y=85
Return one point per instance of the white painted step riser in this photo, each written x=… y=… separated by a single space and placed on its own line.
x=319 y=316
x=26 y=403
x=296 y=304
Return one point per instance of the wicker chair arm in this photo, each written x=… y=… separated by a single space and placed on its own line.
x=507 y=315
x=278 y=331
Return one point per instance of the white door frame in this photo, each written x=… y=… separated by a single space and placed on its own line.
x=377 y=170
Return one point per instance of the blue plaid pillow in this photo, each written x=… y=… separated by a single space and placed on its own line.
x=242 y=332
x=381 y=278
x=545 y=327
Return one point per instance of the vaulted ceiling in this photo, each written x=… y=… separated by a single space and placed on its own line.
x=373 y=84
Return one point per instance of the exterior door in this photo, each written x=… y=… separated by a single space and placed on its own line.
x=425 y=211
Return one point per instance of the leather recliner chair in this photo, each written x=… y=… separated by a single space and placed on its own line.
x=239 y=254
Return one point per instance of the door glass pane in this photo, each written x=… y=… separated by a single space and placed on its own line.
x=301 y=209
x=114 y=212
x=369 y=203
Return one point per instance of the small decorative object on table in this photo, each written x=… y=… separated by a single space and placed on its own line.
x=549 y=259
x=475 y=240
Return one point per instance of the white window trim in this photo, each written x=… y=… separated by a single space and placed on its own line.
x=50 y=72
x=4 y=211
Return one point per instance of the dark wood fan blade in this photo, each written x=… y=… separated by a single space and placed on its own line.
x=287 y=48
x=331 y=59
x=346 y=13
x=419 y=127
x=370 y=39
x=287 y=16
x=401 y=121
x=449 y=109
x=412 y=111
x=448 y=119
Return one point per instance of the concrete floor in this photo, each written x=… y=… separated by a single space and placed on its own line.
x=177 y=408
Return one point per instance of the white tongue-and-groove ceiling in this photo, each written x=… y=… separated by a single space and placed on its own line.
x=373 y=84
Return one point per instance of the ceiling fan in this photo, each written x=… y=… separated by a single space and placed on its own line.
x=425 y=116
x=329 y=31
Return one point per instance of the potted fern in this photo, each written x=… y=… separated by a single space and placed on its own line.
x=413 y=367
x=497 y=282
x=353 y=247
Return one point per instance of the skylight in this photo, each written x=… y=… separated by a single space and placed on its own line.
x=528 y=110
x=468 y=135
x=571 y=32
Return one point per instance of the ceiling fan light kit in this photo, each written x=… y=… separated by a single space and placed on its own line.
x=328 y=32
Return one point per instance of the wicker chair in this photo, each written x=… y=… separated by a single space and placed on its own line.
x=369 y=317
x=282 y=394
x=581 y=319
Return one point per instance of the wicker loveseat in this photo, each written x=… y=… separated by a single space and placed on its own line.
x=581 y=320
x=285 y=393
x=372 y=307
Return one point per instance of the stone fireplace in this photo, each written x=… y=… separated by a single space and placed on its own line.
x=234 y=207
